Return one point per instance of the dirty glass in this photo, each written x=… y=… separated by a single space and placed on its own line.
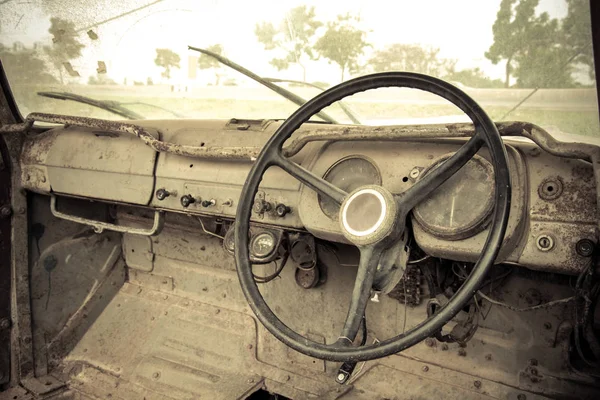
x=130 y=58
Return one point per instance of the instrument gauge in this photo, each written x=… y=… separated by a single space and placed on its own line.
x=348 y=174
x=462 y=206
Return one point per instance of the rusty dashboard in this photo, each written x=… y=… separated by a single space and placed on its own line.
x=553 y=207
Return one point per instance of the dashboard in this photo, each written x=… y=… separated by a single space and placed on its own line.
x=553 y=205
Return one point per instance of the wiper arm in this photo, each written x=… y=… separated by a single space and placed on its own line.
x=277 y=89
x=347 y=110
x=111 y=106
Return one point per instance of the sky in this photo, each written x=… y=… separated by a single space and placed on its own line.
x=462 y=29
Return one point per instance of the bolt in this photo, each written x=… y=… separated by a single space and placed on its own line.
x=425 y=368
x=521 y=396
x=477 y=384
x=5 y=211
x=584 y=247
x=430 y=342
x=547 y=325
x=462 y=352
x=534 y=371
x=488 y=357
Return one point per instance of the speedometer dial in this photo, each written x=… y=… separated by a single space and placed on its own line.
x=461 y=206
x=348 y=174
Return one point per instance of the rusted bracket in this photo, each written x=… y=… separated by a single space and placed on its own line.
x=159 y=221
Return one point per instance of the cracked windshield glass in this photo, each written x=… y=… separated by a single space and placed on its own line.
x=527 y=60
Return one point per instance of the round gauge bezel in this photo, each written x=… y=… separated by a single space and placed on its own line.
x=320 y=199
x=477 y=224
x=256 y=237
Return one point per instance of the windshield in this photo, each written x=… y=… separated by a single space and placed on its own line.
x=528 y=60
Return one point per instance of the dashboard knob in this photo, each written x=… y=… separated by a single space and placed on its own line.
x=281 y=210
x=186 y=200
x=262 y=206
x=162 y=194
x=208 y=203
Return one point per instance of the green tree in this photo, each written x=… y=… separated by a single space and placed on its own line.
x=577 y=33
x=343 y=43
x=167 y=59
x=207 y=62
x=412 y=58
x=65 y=45
x=293 y=38
x=531 y=46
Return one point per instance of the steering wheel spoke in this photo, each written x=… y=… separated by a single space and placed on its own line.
x=434 y=179
x=367 y=268
x=316 y=183
x=372 y=218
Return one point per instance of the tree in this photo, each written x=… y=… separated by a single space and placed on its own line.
x=343 y=43
x=293 y=38
x=207 y=62
x=65 y=45
x=473 y=77
x=411 y=57
x=577 y=33
x=24 y=66
x=167 y=59
x=531 y=46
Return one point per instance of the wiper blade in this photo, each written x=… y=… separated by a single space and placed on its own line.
x=108 y=105
x=347 y=110
x=276 y=88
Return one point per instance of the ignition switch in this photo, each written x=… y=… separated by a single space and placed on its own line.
x=261 y=206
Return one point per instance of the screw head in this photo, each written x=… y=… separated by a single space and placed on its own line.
x=477 y=384
x=414 y=173
x=5 y=323
x=585 y=247
x=521 y=396
x=425 y=368
x=430 y=342
x=341 y=377
x=156 y=375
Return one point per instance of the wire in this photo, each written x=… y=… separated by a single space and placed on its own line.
x=207 y=232
x=533 y=308
x=418 y=260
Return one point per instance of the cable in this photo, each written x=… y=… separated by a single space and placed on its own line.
x=269 y=278
x=418 y=260
x=209 y=233
x=533 y=308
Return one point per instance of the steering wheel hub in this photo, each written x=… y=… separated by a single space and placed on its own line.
x=368 y=215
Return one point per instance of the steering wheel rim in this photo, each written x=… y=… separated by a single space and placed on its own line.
x=486 y=132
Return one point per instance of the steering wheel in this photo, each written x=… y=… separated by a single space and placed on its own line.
x=373 y=219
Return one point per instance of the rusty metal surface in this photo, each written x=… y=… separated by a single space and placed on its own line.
x=99 y=226
x=158 y=145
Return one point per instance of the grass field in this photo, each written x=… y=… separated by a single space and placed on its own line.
x=568 y=117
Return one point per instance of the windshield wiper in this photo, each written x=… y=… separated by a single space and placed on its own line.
x=108 y=105
x=112 y=106
x=347 y=110
x=265 y=82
